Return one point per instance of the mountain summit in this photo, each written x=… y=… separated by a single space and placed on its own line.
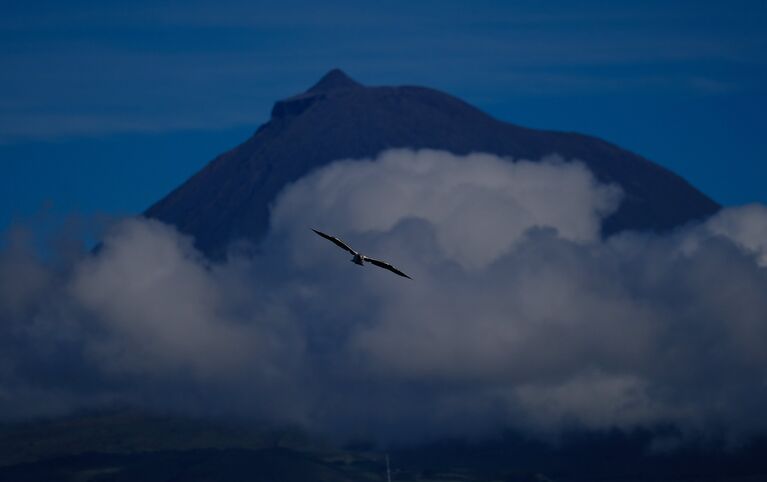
x=338 y=118
x=333 y=80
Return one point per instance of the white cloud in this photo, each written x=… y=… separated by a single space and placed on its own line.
x=746 y=226
x=519 y=314
x=478 y=205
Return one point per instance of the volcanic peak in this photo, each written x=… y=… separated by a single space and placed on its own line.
x=336 y=79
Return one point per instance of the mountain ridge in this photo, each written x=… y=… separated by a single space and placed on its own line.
x=339 y=118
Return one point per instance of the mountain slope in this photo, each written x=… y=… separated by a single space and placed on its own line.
x=339 y=118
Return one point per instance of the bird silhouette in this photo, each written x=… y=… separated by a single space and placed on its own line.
x=359 y=258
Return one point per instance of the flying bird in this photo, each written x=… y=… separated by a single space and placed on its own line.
x=360 y=258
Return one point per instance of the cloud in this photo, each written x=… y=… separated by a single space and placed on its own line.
x=746 y=226
x=478 y=206
x=519 y=314
x=162 y=308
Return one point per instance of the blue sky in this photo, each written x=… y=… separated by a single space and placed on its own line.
x=106 y=106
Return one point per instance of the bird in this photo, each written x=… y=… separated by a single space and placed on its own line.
x=359 y=258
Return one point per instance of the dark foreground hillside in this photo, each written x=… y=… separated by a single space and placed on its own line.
x=127 y=446
x=193 y=465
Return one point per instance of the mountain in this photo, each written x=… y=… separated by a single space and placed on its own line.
x=338 y=118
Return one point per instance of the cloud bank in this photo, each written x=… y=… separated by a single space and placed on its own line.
x=519 y=314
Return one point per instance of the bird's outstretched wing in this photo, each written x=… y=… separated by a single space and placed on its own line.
x=385 y=265
x=337 y=241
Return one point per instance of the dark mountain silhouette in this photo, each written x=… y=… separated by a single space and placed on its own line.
x=339 y=118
